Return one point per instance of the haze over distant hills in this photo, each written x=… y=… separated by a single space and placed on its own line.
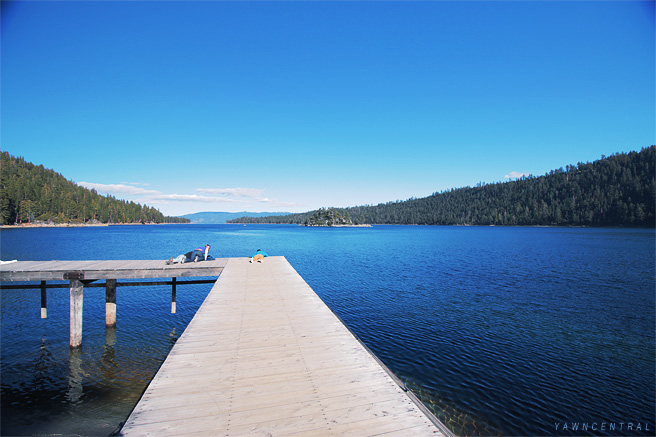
x=209 y=217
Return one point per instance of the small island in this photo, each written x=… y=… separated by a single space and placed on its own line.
x=331 y=217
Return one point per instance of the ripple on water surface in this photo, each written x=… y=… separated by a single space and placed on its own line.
x=500 y=331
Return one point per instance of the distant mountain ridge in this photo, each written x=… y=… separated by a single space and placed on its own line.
x=210 y=217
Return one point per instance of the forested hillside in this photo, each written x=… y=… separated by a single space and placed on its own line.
x=31 y=193
x=619 y=190
x=329 y=217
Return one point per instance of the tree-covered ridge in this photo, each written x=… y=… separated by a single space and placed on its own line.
x=31 y=193
x=289 y=219
x=619 y=190
x=329 y=217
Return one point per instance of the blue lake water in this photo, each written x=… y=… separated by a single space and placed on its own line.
x=500 y=331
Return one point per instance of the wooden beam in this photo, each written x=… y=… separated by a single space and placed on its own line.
x=77 y=297
x=117 y=269
x=110 y=302
x=44 y=311
x=118 y=284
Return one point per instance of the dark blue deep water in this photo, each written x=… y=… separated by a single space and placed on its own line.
x=500 y=331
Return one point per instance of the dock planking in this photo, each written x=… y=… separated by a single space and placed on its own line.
x=264 y=355
x=109 y=269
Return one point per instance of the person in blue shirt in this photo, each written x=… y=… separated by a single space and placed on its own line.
x=259 y=256
x=201 y=253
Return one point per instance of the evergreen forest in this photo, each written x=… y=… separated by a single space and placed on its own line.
x=329 y=217
x=619 y=190
x=34 y=194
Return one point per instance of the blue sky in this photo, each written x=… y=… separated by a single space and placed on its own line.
x=290 y=106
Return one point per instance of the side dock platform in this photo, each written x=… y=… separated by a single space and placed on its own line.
x=265 y=356
x=81 y=274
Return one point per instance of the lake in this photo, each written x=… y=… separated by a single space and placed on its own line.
x=499 y=331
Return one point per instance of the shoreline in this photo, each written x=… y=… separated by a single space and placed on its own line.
x=79 y=225
x=54 y=225
x=83 y=225
x=335 y=226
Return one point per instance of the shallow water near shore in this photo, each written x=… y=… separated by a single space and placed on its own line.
x=500 y=331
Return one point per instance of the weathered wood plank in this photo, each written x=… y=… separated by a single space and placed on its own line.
x=264 y=355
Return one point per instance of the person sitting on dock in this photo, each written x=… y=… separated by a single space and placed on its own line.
x=259 y=256
x=178 y=259
x=201 y=253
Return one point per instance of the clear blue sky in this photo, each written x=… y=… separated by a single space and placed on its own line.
x=290 y=106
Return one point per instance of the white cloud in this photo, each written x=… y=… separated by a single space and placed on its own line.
x=248 y=198
x=237 y=192
x=191 y=198
x=117 y=189
x=274 y=202
x=515 y=175
x=246 y=195
x=136 y=183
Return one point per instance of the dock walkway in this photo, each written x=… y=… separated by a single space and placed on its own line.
x=264 y=355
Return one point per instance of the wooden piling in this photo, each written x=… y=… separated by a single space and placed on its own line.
x=44 y=310
x=110 y=302
x=77 y=297
x=110 y=335
x=173 y=294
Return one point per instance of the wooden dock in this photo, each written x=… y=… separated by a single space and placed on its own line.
x=265 y=356
x=83 y=273
x=111 y=269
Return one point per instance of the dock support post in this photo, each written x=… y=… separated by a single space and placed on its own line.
x=110 y=335
x=110 y=302
x=173 y=291
x=44 y=310
x=77 y=293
